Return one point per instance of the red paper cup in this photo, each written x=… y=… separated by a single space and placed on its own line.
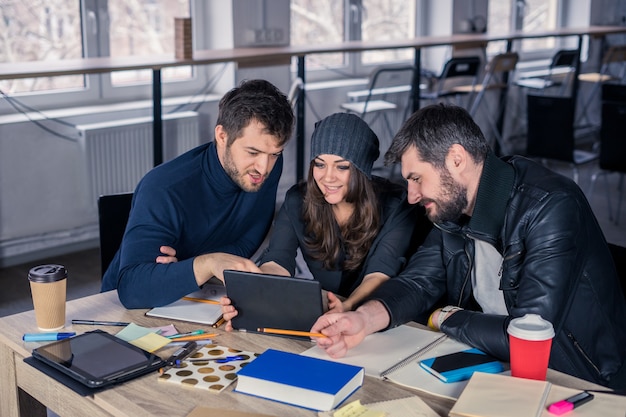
x=530 y=340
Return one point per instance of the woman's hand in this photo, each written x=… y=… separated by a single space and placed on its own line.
x=335 y=305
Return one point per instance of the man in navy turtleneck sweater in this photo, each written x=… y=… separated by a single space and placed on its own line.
x=210 y=208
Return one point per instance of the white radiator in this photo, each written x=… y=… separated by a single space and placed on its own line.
x=118 y=153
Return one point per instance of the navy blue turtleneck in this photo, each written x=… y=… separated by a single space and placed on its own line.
x=192 y=205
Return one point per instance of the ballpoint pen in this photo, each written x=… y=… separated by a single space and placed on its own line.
x=220 y=360
x=100 y=322
x=179 y=335
x=46 y=337
x=178 y=355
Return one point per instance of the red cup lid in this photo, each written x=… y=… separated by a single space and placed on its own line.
x=531 y=327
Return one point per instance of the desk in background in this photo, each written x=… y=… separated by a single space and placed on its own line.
x=275 y=56
x=22 y=385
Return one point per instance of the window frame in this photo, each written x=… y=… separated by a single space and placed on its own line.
x=353 y=64
x=98 y=88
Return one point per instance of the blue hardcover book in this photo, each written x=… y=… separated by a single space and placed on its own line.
x=460 y=366
x=299 y=380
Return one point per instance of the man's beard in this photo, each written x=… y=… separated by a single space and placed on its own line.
x=452 y=201
x=238 y=177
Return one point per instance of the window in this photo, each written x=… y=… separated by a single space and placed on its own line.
x=144 y=27
x=328 y=21
x=388 y=20
x=42 y=30
x=318 y=21
x=525 y=16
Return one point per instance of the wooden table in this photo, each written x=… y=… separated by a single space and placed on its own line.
x=24 y=387
x=145 y=396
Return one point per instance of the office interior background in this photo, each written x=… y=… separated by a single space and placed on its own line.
x=66 y=140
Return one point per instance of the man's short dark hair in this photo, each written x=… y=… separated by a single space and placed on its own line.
x=433 y=130
x=256 y=100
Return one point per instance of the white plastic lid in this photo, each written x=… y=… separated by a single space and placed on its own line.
x=531 y=327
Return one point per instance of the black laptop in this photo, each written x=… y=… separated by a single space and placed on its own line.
x=274 y=301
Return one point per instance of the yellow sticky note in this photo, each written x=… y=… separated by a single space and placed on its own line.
x=150 y=342
x=132 y=332
x=356 y=409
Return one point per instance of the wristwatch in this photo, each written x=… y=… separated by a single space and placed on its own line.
x=444 y=313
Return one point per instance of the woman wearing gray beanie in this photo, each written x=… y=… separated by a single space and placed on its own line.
x=353 y=229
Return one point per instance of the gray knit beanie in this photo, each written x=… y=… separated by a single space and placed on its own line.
x=348 y=136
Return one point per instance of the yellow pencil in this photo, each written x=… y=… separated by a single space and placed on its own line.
x=194 y=337
x=201 y=300
x=289 y=332
x=219 y=322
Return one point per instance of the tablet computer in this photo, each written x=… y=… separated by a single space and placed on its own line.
x=274 y=301
x=97 y=358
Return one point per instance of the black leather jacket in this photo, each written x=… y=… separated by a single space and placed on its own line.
x=556 y=264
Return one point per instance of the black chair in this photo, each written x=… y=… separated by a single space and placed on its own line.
x=386 y=103
x=612 y=142
x=455 y=71
x=559 y=73
x=613 y=69
x=496 y=80
x=387 y=84
x=113 y=211
x=551 y=132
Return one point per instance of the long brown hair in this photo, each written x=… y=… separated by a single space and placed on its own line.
x=325 y=239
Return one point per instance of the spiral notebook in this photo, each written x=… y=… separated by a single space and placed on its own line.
x=394 y=355
x=201 y=306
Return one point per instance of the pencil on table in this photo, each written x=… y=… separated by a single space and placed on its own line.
x=219 y=322
x=195 y=337
x=201 y=300
x=289 y=332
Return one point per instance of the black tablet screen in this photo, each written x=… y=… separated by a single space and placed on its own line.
x=95 y=356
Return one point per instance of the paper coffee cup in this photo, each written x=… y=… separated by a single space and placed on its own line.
x=530 y=341
x=48 y=288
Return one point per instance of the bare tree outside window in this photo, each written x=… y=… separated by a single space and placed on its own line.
x=318 y=22
x=145 y=27
x=40 y=30
x=329 y=21
x=50 y=30
x=385 y=20
x=530 y=15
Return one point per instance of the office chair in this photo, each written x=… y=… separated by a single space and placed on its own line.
x=456 y=69
x=612 y=69
x=496 y=79
x=551 y=132
x=612 y=143
x=559 y=73
x=113 y=211
x=386 y=85
x=388 y=98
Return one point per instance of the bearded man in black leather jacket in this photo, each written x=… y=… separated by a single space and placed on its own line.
x=510 y=238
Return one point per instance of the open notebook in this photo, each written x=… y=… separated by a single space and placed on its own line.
x=394 y=355
x=196 y=311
